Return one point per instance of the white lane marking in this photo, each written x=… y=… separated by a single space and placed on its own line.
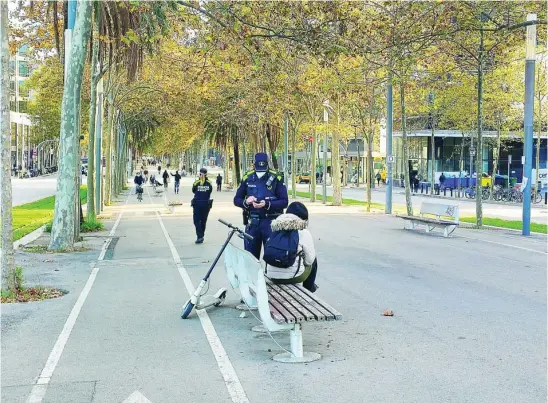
x=506 y=245
x=233 y=385
x=39 y=389
x=136 y=397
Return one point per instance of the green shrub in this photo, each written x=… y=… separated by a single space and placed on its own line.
x=92 y=226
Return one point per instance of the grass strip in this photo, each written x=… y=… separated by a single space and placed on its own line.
x=500 y=223
x=31 y=216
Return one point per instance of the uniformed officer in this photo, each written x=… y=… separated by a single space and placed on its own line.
x=263 y=196
x=201 y=203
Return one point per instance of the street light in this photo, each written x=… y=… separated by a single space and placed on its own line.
x=530 y=46
x=326 y=107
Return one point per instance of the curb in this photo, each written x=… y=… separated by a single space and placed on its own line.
x=33 y=236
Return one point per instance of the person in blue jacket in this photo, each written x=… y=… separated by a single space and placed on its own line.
x=263 y=197
x=201 y=203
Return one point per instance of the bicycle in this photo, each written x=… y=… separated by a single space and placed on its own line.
x=139 y=191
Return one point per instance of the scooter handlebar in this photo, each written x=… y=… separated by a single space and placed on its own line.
x=225 y=223
x=246 y=236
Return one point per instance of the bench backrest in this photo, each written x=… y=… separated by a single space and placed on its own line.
x=241 y=269
x=441 y=210
x=247 y=273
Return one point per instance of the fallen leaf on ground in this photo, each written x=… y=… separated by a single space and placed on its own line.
x=205 y=261
x=48 y=261
x=387 y=312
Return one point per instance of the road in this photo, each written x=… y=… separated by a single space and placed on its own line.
x=469 y=323
x=32 y=189
x=507 y=211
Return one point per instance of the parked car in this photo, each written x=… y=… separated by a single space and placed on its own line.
x=304 y=178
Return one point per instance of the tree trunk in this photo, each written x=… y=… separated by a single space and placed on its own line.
x=370 y=177
x=108 y=152
x=7 y=259
x=314 y=168
x=92 y=113
x=479 y=150
x=433 y=154
x=335 y=160
x=62 y=233
x=408 y=201
x=293 y=160
x=272 y=144
x=236 y=155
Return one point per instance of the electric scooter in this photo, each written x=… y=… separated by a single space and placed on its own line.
x=200 y=301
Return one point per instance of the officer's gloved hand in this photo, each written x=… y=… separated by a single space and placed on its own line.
x=250 y=200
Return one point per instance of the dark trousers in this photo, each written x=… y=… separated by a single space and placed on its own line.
x=165 y=183
x=177 y=187
x=201 y=211
x=310 y=282
x=218 y=187
x=260 y=233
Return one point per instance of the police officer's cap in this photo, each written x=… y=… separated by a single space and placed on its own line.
x=203 y=171
x=261 y=162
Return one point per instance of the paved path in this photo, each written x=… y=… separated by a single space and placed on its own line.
x=469 y=324
x=507 y=211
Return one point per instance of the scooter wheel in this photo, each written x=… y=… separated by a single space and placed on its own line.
x=187 y=309
x=221 y=299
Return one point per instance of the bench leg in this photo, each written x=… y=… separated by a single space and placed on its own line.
x=297 y=354
x=428 y=229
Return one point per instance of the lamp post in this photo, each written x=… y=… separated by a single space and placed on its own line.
x=530 y=45
x=389 y=157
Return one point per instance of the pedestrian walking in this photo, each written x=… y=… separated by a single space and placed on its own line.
x=219 y=182
x=263 y=196
x=201 y=204
x=378 y=177
x=177 y=177
x=165 y=176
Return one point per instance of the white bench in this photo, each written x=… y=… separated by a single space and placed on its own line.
x=280 y=306
x=446 y=217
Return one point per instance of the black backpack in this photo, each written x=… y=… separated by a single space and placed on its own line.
x=281 y=249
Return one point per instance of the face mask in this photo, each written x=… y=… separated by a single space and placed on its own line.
x=260 y=174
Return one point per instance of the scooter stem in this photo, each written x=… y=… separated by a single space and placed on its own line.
x=219 y=254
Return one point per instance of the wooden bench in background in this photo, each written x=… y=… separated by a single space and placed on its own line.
x=446 y=217
x=281 y=306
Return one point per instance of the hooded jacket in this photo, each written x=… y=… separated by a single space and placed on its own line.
x=287 y=222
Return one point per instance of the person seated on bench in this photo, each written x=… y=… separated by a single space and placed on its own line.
x=302 y=266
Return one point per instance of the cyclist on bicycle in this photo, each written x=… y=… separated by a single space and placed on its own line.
x=139 y=180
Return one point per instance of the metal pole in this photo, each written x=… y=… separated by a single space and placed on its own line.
x=286 y=149
x=389 y=109
x=324 y=182
x=528 y=121
x=98 y=136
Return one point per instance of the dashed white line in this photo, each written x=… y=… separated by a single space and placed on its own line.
x=40 y=387
x=232 y=382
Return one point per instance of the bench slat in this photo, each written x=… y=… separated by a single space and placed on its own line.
x=332 y=312
x=273 y=295
x=277 y=315
x=300 y=308
x=309 y=304
x=428 y=220
x=326 y=309
x=319 y=314
x=277 y=311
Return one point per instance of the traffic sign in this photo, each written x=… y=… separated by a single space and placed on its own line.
x=390 y=159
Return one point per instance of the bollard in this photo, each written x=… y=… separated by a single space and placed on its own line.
x=451 y=190
x=445 y=191
x=422 y=189
x=427 y=189
x=545 y=197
